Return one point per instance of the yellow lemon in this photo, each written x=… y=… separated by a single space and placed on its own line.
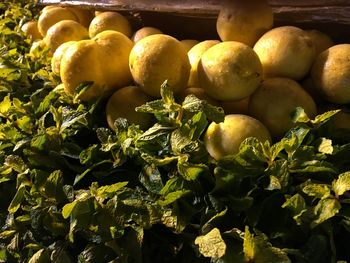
x=229 y=71
x=144 y=32
x=122 y=104
x=320 y=39
x=157 y=58
x=109 y=21
x=273 y=102
x=286 y=51
x=53 y=15
x=331 y=73
x=64 y=31
x=57 y=57
x=30 y=29
x=236 y=107
x=84 y=15
x=194 y=55
x=244 y=21
x=188 y=43
x=85 y=61
x=223 y=139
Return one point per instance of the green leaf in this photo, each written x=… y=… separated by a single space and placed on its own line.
x=257 y=249
x=41 y=256
x=150 y=178
x=191 y=171
x=342 y=184
x=109 y=191
x=319 y=119
x=324 y=210
x=299 y=116
x=5 y=106
x=325 y=146
x=68 y=209
x=172 y=197
x=53 y=186
x=17 y=200
x=297 y=206
x=317 y=190
x=211 y=245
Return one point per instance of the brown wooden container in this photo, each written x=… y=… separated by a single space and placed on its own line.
x=196 y=18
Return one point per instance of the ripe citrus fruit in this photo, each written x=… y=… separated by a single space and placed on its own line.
x=157 y=58
x=236 y=107
x=51 y=16
x=244 y=21
x=64 y=31
x=132 y=96
x=229 y=71
x=321 y=40
x=331 y=73
x=144 y=32
x=225 y=138
x=194 y=55
x=30 y=29
x=273 y=102
x=57 y=57
x=188 y=43
x=85 y=61
x=109 y=21
x=286 y=51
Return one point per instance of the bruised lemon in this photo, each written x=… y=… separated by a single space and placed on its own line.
x=273 y=102
x=156 y=59
x=286 y=51
x=109 y=21
x=229 y=71
x=331 y=73
x=122 y=104
x=244 y=21
x=224 y=138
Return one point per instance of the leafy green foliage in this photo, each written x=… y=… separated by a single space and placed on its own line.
x=73 y=190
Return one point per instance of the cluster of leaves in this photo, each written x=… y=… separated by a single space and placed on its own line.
x=73 y=190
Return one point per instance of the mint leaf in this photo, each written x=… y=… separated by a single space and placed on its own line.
x=257 y=249
x=342 y=184
x=211 y=245
x=17 y=200
x=325 y=146
x=317 y=190
x=324 y=210
x=297 y=206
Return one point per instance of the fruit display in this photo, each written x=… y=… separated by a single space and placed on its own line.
x=123 y=142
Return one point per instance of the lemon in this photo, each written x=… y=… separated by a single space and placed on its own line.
x=223 y=139
x=144 y=32
x=273 y=102
x=236 y=107
x=320 y=39
x=53 y=15
x=64 y=31
x=85 y=61
x=194 y=55
x=122 y=104
x=188 y=43
x=109 y=21
x=84 y=15
x=30 y=29
x=331 y=73
x=286 y=51
x=244 y=21
x=156 y=59
x=229 y=71
x=57 y=57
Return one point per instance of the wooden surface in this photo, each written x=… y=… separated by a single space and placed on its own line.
x=331 y=16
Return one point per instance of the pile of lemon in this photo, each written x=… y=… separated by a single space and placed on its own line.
x=258 y=74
